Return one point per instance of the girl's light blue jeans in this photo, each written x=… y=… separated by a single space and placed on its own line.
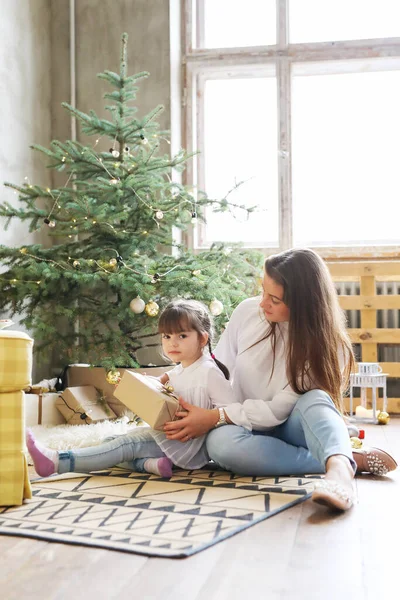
x=314 y=431
x=129 y=450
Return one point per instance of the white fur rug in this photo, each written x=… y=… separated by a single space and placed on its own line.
x=65 y=437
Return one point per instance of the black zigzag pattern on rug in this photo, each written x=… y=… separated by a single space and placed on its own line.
x=147 y=514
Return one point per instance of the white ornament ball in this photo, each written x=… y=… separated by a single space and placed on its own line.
x=137 y=305
x=216 y=307
x=115 y=153
x=159 y=215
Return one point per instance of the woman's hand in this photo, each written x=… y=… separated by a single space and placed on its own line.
x=193 y=422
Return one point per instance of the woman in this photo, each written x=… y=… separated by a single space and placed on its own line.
x=290 y=359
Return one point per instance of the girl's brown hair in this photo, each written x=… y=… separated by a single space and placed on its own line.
x=317 y=324
x=189 y=315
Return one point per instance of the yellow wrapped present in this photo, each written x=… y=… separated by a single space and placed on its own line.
x=15 y=375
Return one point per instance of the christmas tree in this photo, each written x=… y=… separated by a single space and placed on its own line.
x=95 y=294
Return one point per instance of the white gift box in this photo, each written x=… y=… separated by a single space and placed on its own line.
x=40 y=409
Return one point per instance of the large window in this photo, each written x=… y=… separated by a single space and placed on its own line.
x=236 y=155
x=294 y=107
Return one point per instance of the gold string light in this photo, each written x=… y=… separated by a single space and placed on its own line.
x=48 y=190
x=50 y=260
x=158 y=214
x=16 y=281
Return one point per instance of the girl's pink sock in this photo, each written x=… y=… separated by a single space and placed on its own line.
x=44 y=459
x=159 y=466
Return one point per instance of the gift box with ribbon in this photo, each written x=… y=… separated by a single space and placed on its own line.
x=147 y=398
x=83 y=404
x=105 y=381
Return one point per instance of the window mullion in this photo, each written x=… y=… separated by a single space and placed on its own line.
x=187 y=26
x=284 y=128
x=200 y=24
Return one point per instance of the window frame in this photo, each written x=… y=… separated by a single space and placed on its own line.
x=202 y=63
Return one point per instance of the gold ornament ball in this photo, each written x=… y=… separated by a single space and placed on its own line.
x=383 y=418
x=113 y=262
x=113 y=377
x=152 y=309
x=356 y=443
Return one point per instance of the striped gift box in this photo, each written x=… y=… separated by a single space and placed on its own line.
x=15 y=374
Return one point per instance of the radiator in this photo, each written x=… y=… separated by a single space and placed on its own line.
x=385 y=318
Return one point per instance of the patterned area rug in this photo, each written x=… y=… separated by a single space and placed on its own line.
x=146 y=514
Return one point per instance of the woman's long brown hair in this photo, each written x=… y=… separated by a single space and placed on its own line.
x=317 y=324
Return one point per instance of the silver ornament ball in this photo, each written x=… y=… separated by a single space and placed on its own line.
x=216 y=307
x=137 y=305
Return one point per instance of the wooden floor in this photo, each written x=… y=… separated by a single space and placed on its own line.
x=305 y=552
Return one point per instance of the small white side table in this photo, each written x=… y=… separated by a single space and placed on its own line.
x=364 y=381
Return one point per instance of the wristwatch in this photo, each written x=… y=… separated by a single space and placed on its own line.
x=222 y=418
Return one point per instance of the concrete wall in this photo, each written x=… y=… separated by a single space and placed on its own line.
x=95 y=46
x=25 y=108
x=50 y=52
x=97 y=30
x=25 y=101
x=99 y=26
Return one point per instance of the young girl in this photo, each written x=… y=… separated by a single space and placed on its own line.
x=186 y=333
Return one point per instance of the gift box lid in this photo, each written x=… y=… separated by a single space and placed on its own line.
x=5 y=333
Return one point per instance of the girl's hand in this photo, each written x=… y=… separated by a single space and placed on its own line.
x=164 y=378
x=193 y=422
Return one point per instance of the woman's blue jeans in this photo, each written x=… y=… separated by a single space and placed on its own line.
x=314 y=431
x=129 y=450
